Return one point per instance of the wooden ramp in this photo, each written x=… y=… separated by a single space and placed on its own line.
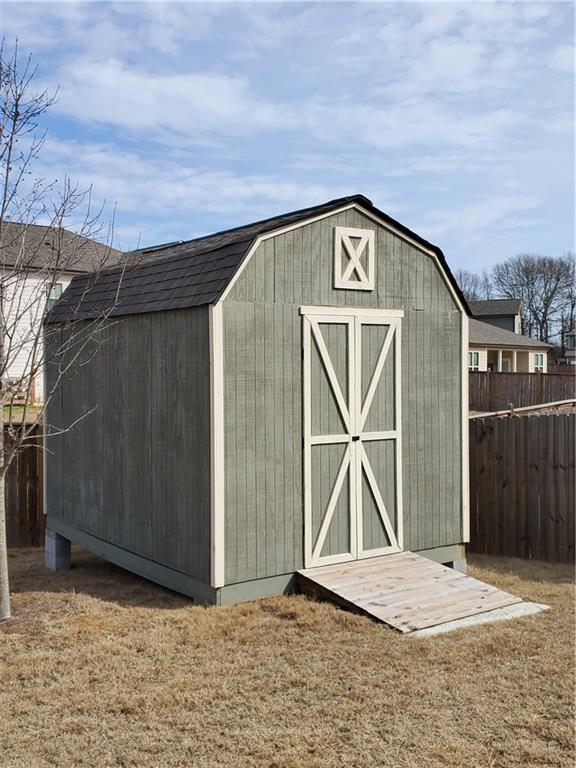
x=406 y=591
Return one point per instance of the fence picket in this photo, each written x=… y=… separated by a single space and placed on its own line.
x=490 y=391
x=522 y=486
x=23 y=498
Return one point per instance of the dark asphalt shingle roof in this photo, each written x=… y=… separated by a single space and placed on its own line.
x=495 y=307
x=35 y=246
x=484 y=334
x=194 y=272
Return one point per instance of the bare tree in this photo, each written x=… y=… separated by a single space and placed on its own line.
x=474 y=287
x=470 y=284
x=487 y=288
x=36 y=248
x=568 y=312
x=543 y=284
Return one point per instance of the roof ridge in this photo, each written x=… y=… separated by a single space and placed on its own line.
x=210 y=263
x=297 y=212
x=498 y=298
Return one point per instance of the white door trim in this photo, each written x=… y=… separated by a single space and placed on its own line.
x=354 y=413
x=395 y=537
x=344 y=408
x=383 y=314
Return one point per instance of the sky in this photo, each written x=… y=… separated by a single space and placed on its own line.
x=457 y=119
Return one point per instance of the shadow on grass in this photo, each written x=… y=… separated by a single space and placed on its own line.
x=90 y=575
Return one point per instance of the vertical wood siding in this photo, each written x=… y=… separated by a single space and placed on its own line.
x=263 y=393
x=136 y=471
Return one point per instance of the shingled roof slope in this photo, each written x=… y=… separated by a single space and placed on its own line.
x=495 y=307
x=487 y=335
x=194 y=272
x=36 y=246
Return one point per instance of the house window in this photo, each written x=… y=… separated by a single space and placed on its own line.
x=354 y=258
x=538 y=362
x=473 y=361
x=53 y=293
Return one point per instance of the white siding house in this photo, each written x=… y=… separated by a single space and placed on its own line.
x=570 y=351
x=494 y=349
x=36 y=264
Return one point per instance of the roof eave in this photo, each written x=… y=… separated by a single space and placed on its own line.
x=497 y=345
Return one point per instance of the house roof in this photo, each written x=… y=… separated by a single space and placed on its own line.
x=495 y=307
x=195 y=272
x=486 y=335
x=35 y=246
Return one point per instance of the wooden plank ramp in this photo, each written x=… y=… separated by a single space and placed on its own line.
x=405 y=591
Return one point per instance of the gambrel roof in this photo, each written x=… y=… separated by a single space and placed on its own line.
x=195 y=272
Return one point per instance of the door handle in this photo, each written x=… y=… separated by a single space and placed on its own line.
x=355 y=437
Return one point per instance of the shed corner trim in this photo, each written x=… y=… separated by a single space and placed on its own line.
x=217 y=522
x=464 y=432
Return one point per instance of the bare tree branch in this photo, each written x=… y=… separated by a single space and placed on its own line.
x=38 y=252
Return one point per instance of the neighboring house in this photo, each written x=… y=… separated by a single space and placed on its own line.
x=502 y=313
x=570 y=348
x=42 y=260
x=283 y=395
x=495 y=349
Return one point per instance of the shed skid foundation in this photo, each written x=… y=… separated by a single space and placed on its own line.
x=56 y=551
x=57 y=558
x=141 y=566
x=59 y=536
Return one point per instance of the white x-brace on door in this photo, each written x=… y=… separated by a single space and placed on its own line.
x=352 y=435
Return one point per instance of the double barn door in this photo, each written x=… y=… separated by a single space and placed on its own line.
x=352 y=439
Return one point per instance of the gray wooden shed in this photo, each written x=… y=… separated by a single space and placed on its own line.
x=279 y=396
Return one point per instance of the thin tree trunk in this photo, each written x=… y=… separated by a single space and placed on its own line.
x=5 y=612
x=4 y=583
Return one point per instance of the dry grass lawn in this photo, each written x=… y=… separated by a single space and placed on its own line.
x=100 y=668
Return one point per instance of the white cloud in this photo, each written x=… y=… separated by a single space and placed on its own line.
x=192 y=105
x=422 y=122
x=563 y=59
x=204 y=107
x=105 y=28
x=169 y=189
x=190 y=112
x=472 y=220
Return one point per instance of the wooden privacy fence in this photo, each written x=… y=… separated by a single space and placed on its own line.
x=23 y=497
x=522 y=486
x=489 y=391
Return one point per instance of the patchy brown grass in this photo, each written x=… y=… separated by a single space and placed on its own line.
x=100 y=668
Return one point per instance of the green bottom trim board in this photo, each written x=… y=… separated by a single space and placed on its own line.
x=160 y=574
x=259 y=588
x=199 y=591
x=285 y=584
